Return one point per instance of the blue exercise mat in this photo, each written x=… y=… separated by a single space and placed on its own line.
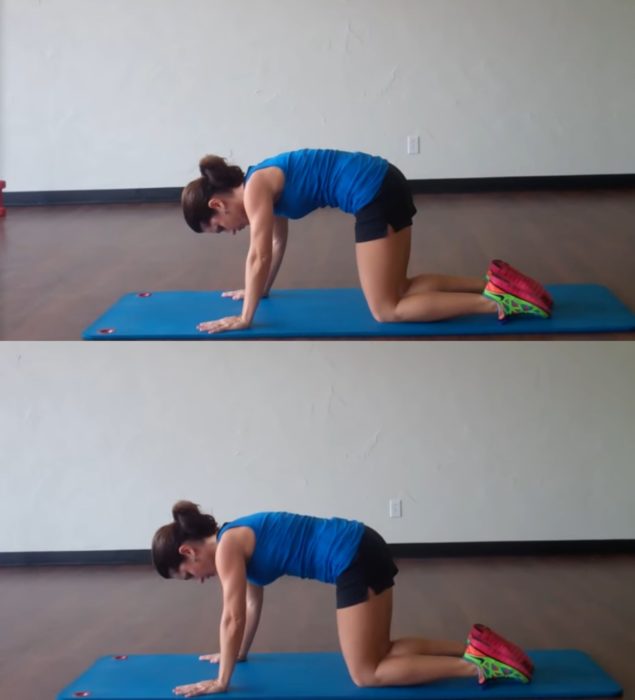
x=323 y=676
x=341 y=313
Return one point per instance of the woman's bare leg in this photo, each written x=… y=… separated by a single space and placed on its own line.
x=428 y=647
x=382 y=266
x=444 y=283
x=364 y=634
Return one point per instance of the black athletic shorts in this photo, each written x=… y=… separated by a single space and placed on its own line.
x=372 y=567
x=393 y=206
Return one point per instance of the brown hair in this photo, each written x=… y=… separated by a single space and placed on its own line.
x=217 y=176
x=189 y=524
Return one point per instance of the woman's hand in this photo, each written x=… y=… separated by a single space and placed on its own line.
x=239 y=294
x=236 y=295
x=201 y=688
x=229 y=323
x=215 y=658
x=212 y=658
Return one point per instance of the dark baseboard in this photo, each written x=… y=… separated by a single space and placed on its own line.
x=87 y=558
x=527 y=548
x=546 y=183
x=154 y=195
x=403 y=551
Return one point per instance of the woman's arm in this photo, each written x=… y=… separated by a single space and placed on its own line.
x=231 y=570
x=230 y=565
x=255 y=596
x=259 y=208
x=280 y=236
x=253 y=608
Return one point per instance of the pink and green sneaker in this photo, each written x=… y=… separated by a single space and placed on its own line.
x=495 y=657
x=510 y=304
x=511 y=280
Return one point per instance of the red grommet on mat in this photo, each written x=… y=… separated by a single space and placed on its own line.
x=81 y=694
x=106 y=331
x=121 y=657
x=144 y=295
x=3 y=211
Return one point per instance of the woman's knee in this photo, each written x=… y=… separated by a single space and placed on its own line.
x=364 y=676
x=384 y=312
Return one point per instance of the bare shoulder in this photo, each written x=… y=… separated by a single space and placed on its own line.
x=265 y=184
x=237 y=542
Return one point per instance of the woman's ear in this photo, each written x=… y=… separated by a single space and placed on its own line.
x=186 y=550
x=216 y=204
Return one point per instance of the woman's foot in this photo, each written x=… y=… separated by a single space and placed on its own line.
x=509 y=304
x=508 y=280
x=495 y=657
x=502 y=272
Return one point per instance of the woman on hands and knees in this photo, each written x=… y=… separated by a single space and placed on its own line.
x=250 y=552
x=293 y=184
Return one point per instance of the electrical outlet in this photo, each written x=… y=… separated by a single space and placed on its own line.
x=413 y=145
x=394 y=508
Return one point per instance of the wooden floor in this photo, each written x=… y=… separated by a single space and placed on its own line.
x=54 y=622
x=60 y=267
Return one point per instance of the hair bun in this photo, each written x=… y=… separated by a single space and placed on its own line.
x=219 y=174
x=185 y=513
x=212 y=169
x=191 y=522
x=181 y=507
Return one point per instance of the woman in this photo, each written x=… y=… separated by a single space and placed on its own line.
x=291 y=185
x=248 y=553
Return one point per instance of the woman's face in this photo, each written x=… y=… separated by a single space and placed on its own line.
x=198 y=561
x=229 y=216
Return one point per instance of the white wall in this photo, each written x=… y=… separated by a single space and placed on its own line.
x=482 y=441
x=130 y=93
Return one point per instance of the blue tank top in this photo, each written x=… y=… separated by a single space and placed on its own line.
x=325 y=178
x=298 y=545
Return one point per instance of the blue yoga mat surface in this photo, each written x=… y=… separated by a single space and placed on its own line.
x=340 y=313
x=323 y=676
